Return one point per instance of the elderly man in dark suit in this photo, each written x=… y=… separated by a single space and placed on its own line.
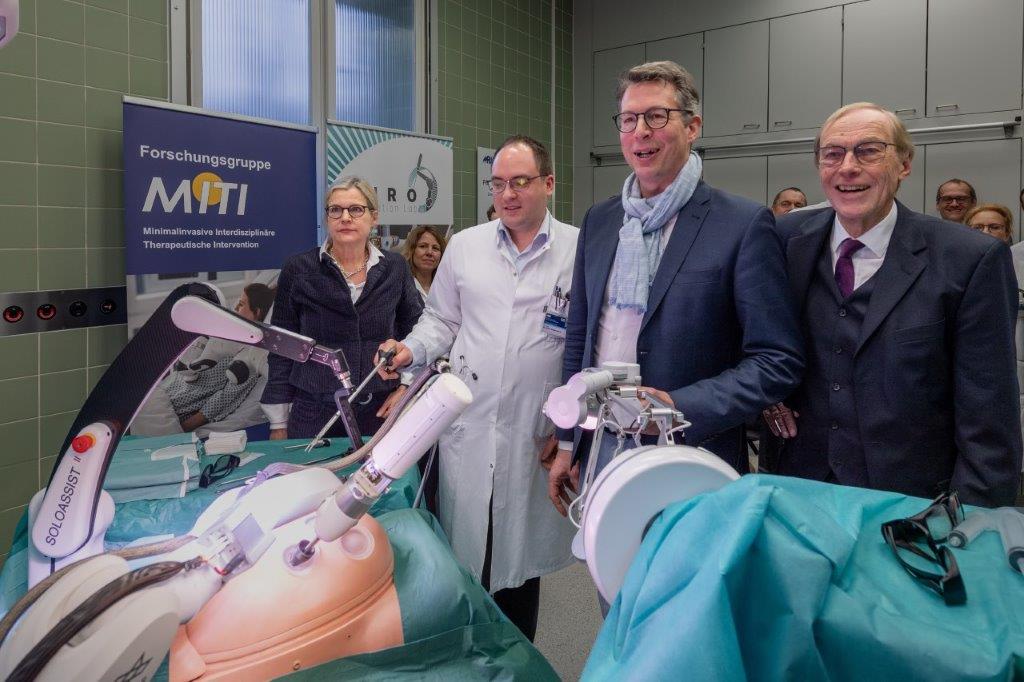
x=909 y=328
x=684 y=279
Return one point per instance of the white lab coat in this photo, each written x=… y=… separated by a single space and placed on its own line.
x=492 y=320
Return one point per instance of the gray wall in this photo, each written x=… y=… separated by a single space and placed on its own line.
x=770 y=71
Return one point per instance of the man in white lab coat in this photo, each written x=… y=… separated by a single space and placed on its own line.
x=497 y=306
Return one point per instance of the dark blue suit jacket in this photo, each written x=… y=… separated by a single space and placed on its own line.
x=934 y=376
x=720 y=334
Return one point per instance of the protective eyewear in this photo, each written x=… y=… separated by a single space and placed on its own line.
x=518 y=183
x=920 y=537
x=355 y=211
x=866 y=153
x=223 y=466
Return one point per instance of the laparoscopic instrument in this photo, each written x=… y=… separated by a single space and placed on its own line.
x=66 y=626
x=617 y=505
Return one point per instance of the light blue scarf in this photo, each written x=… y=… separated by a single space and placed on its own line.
x=639 y=252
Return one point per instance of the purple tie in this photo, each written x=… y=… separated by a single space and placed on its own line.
x=844 y=266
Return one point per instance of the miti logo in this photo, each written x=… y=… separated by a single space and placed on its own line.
x=207 y=188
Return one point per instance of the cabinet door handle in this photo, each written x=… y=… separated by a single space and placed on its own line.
x=947 y=106
x=911 y=110
x=751 y=126
x=783 y=124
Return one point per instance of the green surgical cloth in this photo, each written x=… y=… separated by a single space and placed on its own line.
x=775 y=578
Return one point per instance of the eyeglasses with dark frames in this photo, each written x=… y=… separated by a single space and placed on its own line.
x=355 y=211
x=922 y=536
x=220 y=468
x=866 y=153
x=655 y=118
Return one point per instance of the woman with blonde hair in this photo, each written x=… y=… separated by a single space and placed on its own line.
x=346 y=294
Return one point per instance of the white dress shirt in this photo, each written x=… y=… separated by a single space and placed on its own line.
x=867 y=260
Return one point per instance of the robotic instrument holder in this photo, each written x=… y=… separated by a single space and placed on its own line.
x=180 y=576
x=617 y=505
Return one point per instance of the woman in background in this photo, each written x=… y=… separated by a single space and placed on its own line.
x=346 y=294
x=992 y=219
x=423 y=249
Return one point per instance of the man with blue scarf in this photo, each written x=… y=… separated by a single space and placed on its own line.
x=684 y=279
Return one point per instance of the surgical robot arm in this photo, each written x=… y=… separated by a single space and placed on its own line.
x=70 y=515
x=231 y=546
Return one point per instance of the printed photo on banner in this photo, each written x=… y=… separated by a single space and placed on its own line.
x=224 y=201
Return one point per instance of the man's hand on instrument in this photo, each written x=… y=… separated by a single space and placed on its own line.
x=563 y=477
x=403 y=358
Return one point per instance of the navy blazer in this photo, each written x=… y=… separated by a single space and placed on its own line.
x=720 y=333
x=934 y=376
x=314 y=300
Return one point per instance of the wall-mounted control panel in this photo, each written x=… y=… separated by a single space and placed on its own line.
x=44 y=311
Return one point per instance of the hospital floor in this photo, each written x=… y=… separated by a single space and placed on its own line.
x=569 y=620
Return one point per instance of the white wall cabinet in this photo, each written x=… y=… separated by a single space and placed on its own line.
x=608 y=181
x=805 y=63
x=687 y=51
x=608 y=65
x=884 y=55
x=974 y=56
x=736 y=80
x=744 y=175
x=794 y=170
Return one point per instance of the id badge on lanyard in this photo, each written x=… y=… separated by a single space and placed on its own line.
x=556 y=313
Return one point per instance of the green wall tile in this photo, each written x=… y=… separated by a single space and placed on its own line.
x=105 y=188
x=17 y=227
x=60 y=61
x=104 y=148
x=19 y=96
x=61 y=144
x=148 y=40
x=105 y=69
x=17 y=140
x=20 y=398
x=61 y=391
x=116 y=5
x=103 y=109
x=18 y=270
x=17 y=184
x=53 y=430
x=61 y=20
x=19 y=356
x=151 y=10
x=108 y=30
x=8 y=524
x=21 y=442
x=27 y=17
x=104 y=227
x=61 y=228
x=61 y=103
x=62 y=350
x=105 y=267
x=148 y=78
x=106 y=342
x=18 y=483
x=19 y=56
x=61 y=269
x=61 y=186
x=93 y=375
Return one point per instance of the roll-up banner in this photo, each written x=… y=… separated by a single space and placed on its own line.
x=411 y=172
x=219 y=199
x=208 y=192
